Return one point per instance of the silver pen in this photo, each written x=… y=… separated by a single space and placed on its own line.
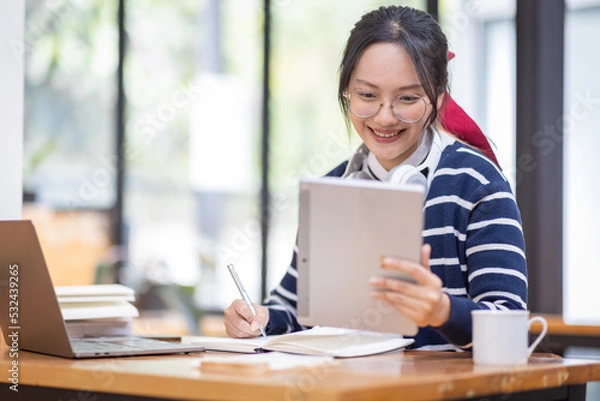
x=244 y=294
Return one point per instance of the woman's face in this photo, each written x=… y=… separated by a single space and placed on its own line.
x=385 y=70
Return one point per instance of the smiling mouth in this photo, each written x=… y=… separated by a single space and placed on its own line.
x=386 y=135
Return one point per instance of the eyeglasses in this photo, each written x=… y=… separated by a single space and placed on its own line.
x=364 y=103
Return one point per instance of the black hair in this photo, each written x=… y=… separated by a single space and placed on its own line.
x=417 y=32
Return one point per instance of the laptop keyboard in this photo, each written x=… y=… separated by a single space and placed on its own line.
x=94 y=346
x=123 y=344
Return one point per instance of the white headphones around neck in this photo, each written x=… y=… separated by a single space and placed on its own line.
x=421 y=174
x=407 y=174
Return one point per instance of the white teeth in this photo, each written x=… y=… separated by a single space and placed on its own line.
x=379 y=134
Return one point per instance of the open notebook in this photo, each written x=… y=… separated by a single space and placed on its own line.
x=327 y=341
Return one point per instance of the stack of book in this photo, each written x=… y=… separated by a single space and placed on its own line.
x=97 y=310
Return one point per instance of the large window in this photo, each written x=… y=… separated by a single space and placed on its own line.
x=482 y=36
x=581 y=120
x=70 y=63
x=193 y=85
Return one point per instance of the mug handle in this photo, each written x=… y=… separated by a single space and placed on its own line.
x=541 y=335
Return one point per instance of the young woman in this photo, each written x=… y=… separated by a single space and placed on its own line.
x=393 y=91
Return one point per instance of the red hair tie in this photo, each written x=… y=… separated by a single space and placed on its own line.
x=457 y=122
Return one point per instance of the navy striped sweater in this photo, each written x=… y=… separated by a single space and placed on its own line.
x=473 y=226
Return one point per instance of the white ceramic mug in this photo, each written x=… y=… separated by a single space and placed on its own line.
x=501 y=337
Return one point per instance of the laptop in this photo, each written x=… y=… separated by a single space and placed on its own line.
x=345 y=226
x=30 y=315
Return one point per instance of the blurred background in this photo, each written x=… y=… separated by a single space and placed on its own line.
x=155 y=155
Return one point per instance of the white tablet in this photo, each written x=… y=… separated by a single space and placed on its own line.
x=345 y=226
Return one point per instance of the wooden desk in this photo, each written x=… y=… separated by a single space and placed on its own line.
x=409 y=375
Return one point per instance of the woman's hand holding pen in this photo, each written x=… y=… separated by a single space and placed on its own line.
x=240 y=322
x=424 y=302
